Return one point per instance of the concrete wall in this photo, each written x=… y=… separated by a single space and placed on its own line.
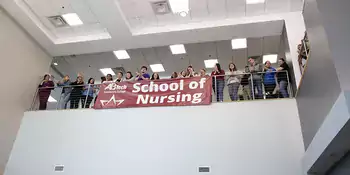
x=22 y=64
x=250 y=138
x=324 y=96
x=320 y=86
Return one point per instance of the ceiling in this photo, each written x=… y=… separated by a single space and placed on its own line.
x=142 y=14
x=128 y=24
x=89 y=64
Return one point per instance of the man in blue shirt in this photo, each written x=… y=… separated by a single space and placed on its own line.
x=143 y=75
x=269 y=80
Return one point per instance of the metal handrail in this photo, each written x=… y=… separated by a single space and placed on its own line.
x=253 y=87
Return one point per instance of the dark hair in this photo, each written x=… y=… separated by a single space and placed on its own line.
x=46 y=75
x=109 y=75
x=144 y=67
x=103 y=79
x=204 y=70
x=218 y=66
x=174 y=75
x=152 y=77
x=121 y=73
x=90 y=80
x=266 y=62
x=234 y=69
x=282 y=59
x=129 y=72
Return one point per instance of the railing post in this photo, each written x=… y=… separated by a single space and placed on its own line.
x=216 y=89
x=289 y=88
x=87 y=94
x=263 y=85
x=252 y=89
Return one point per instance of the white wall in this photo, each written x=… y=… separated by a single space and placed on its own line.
x=22 y=64
x=250 y=138
x=295 y=28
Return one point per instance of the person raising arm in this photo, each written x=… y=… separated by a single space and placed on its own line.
x=143 y=75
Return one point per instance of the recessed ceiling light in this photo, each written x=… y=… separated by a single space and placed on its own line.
x=272 y=58
x=56 y=64
x=210 y=63
x=121 y=54
x=157 y=68
x=179 y=6
x=177 y=49
x=239 y=43
x=72 y=19
x=106 y=71
x=254 y=1
x=51 y=99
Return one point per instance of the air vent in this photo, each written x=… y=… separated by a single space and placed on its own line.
x=160 y=7
x=204 y=169
x=57 y=21
x=119 y=69
x=59 y=168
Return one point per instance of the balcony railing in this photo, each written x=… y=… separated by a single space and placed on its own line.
x=226 y=88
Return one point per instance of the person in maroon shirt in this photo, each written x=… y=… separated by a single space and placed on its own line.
x=45 y=88
x=218 y=82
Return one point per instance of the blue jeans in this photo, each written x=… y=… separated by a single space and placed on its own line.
x=219 y=89
x=233 y=91
x=64 y=100
x=283 y=88
x=258 y=85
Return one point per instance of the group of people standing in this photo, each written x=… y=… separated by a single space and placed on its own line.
x=252 y=80
x=71 y=91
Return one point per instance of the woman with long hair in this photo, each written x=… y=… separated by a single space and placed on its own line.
x=190 y=71
x=88 y=93
x=76 y=94
x=218 y=82
x=182 y=74
x=155 y=76
x=233 y=81
x=44 y=91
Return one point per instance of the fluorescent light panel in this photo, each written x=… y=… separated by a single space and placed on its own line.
x=255 y=1
x=106 y=71
x=121 y=54
x=272 y=58
x=178 y=6
x=210 y=63
x=51 y=99
x=72 y=19
x=157 y=68
x=56 y=64
x=177 y=49
x=240 y=43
